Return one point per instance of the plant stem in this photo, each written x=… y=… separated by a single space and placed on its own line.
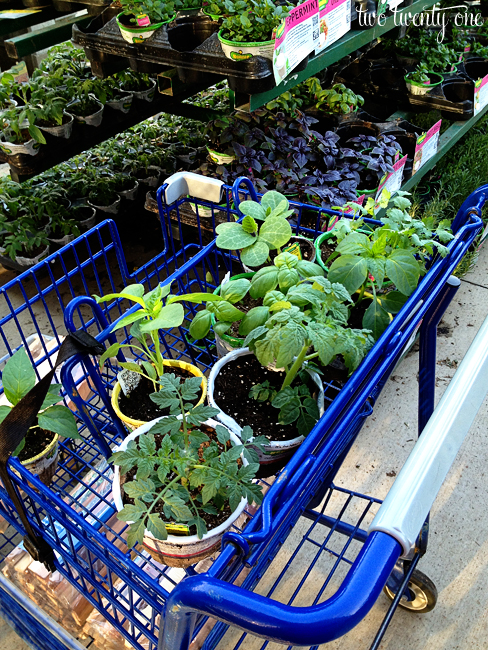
x=183 y=416
x=361 y=293
x=298 y=363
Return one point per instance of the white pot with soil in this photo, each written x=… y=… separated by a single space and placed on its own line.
x=179 y=550
x=121 y=103
x=278 y=451
x=44 y=464
x=148 y=94
x=22 y=262
x=112 y=208
x=131 y=193
x=237 y=51
x=61 y=130
x=151 y=178
x=30 y=147
x=94 y=117
x=85 y=215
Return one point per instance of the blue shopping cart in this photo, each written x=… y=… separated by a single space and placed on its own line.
x=130 y=588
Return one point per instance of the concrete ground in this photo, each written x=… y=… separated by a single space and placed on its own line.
x=457 y=557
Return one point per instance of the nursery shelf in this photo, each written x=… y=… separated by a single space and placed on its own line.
x=23 y=167
x=20 y=46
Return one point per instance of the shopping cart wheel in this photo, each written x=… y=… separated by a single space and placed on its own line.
x=420 y=596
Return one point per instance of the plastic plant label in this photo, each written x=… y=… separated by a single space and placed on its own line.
x=143 y=20
x=296 y=38
x=178 y=529
x=11 y=14
x=293 y=249
x=480 y=94
x=393 y=180
x=334 y=21
x=426 y=146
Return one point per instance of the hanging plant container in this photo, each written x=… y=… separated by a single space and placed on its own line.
x=242 y=51
x=276 y=452
x=61 y=130
x=122 y=104
x=133 y=424
x=418 y=88
x=179 y=550
x=138 y=33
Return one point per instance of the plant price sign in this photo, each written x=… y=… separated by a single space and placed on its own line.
x=480 y=94
x=426 y=146
x=393 y=180
x=296 y=37
x=313 y=25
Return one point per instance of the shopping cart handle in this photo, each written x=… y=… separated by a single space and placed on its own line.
x=273 y=620
x=190 y=184
x=410 y=498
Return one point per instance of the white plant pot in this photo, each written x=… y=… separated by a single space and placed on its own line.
x=176 y=550
x=146 y=95
x=30 y=148
x=243 y=51
x=276 y=450
x=110 y=209
x=123 y=105
x=130 y=195
x=137 y=34
x=95 y=119
x=220 y=158
x=61 y=131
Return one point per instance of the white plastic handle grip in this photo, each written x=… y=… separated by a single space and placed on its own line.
x=410 y=498
x=195 y=185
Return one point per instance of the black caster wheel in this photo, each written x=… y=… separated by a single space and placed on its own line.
x=420 y=596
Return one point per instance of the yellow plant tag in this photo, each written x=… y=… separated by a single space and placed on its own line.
x=293 y=249
x=178 y=529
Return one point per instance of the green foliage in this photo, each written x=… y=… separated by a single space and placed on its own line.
x=338 y=99
x=420 y=75
x=254 y=23
x=254 y=242
x=398 y=251
x=158 y=11
x=18 y=378
x=188 y=474
x=145 y=323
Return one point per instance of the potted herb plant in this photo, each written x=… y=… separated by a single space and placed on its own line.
x=19 y=132
x=307 y=318
x=142 y=86
x=38 y=452
x=422 y=80
x=103 y=195
x=397 y=252
x=87 y=109
x=118 y=99
x=141 y=18
x=338 y=100
x=130 y=396
x=197 y=478
x=251 y=31
x=22 y=244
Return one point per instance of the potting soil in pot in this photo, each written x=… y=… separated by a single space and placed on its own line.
x=211 y=520
x=231 y=394
x=35 y=443
x=327 y=247
x=139 y=406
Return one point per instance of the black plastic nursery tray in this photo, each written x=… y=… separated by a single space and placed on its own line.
x=189 y=44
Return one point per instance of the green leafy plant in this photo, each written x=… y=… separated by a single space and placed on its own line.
x=18 y=377
x=307 y=320
x=145 y=322
x=187 y=474
x=18 y=125
x=22 y=236
x=397 y=251
x=256 y=23
x=133 y=81
x=338 y=99
x=420 y=74
x=254 y=242
x=158 y=11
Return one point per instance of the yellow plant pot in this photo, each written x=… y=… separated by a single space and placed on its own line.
x=168 y=363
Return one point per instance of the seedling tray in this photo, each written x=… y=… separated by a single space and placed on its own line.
x=188 y=44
